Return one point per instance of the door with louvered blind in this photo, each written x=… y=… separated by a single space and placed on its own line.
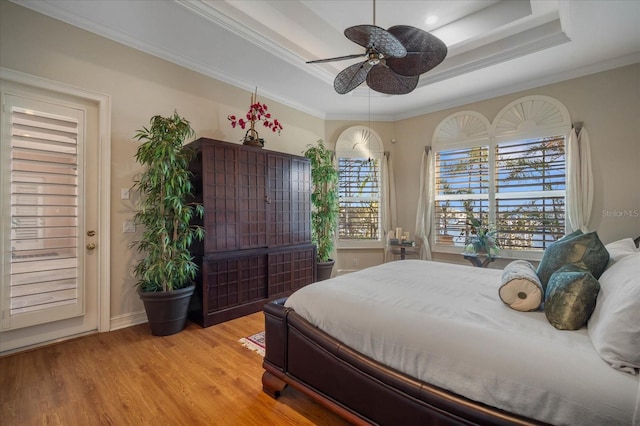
x=49 y=241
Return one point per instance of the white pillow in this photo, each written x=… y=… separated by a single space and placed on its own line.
x=614 y=326
x=619 y=249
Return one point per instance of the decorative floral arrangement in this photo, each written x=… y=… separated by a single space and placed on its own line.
x=482 y=239
x=258 y=112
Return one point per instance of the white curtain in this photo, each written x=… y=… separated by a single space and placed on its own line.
x=389 y=210
x=424 y=215
x=334 y=251
x=579 y=181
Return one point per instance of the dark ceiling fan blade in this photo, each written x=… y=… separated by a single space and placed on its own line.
x=351 y=77
x=379 y=39
x=382 y=79
x=339 y=58
x=424 y=51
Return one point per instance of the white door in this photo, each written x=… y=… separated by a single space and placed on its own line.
x=49 y=198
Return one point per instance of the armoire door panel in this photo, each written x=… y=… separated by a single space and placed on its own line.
x=291 y=270
x=251 y=199
x=280 y=196
x=215 y=182
x=300 y=201
x=235 y=281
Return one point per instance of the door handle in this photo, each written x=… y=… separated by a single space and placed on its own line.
x=91 y=246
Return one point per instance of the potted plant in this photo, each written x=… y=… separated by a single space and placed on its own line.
x=166 y=270
x=258 y=112
x=482 y=239
x=324 y=200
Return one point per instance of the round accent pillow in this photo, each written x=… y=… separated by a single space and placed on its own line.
x=521 y=288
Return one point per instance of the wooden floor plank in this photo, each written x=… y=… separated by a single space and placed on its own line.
x=201 y=376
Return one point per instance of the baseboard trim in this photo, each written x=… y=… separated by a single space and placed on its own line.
x=127 y=320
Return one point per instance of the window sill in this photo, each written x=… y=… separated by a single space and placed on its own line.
x=530 y=255
x=359 y=245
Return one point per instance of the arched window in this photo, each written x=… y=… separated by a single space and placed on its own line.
x=360 y=156
x=510 y=173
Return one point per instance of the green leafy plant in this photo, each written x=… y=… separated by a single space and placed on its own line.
x=164 y=207
x=324 y=199
x=482 y=238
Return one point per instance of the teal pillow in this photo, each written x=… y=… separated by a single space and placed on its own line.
x=577 y=248
x=570 y=297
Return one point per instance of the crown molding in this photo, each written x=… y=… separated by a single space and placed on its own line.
x=532 y=84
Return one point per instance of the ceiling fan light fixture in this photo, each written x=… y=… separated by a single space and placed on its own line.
x=395 y=58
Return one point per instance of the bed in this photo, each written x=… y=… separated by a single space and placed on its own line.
x=420 y=342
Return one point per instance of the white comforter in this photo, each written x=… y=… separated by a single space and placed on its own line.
x=446 y=325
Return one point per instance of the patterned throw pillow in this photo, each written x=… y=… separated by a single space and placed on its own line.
x=583 y=250
x=570 y=297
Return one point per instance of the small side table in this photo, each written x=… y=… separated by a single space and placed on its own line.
x=403 y=249
x=480 y=261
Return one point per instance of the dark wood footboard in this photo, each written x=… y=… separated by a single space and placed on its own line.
x=356 y=387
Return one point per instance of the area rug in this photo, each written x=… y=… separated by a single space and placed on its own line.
x=255 y=343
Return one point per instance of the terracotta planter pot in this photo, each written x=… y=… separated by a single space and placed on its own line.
x=167 y=310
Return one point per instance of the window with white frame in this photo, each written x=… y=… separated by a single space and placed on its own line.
x=461 y=188
x=359 y=193
x=510 y=174
x=359 y=159
x=530 y=192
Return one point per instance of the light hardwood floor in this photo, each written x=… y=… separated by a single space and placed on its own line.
x=201 y=376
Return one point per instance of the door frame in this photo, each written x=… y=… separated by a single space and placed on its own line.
x=103 y=103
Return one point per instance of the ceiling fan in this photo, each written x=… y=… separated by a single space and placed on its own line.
x=395 y=58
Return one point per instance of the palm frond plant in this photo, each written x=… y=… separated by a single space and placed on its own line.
x=165 y=212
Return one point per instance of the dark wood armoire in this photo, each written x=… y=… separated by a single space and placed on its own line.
x=257 y=220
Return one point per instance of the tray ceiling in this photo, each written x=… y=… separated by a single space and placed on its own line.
x=495 y=47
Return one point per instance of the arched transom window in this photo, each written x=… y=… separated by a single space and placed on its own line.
x=360 y=153
x=509 y=173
